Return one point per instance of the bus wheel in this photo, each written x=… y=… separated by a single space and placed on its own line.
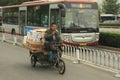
x=13 y=32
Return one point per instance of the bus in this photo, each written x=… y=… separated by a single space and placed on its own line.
x=77 y=20
x=110 y=18
x=0 y=19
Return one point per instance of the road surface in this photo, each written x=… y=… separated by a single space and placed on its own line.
x=15 y=65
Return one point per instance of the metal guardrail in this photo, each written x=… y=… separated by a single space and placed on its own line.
x=106 y=59
x=4 y=37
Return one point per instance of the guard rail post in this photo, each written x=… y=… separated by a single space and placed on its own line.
x=117 y=75
x=3 y=35
x=15 y=39
x=77 y=60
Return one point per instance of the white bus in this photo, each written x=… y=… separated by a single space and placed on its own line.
x=0 y=19
x=77 y=20
x=110 y=18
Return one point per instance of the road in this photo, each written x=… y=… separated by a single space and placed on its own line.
x=15 y=65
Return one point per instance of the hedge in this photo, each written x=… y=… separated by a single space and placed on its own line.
x=102 y=24
x=110 y=39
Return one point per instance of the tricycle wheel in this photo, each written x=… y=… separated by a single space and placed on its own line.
x=61 y=67
x=33 y=61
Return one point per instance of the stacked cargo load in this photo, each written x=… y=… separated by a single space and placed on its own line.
x=34 y=41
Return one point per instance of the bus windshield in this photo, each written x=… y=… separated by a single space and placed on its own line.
x=81 y=20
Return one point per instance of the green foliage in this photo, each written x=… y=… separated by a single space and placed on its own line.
x=3 y=2
x=107 y=25
x=110 y=7
x=110 y=39
x=12 y=2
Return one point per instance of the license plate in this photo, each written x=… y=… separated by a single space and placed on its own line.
x=83 y=44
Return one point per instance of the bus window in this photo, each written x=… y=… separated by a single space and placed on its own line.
x=54 y=16
x=10 y=16
x=33 y=18
x=44 y=20
x=38 y=16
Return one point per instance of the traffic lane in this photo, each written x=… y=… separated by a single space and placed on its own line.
x=15 y=65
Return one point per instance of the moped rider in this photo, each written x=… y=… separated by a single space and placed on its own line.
x=52 y=35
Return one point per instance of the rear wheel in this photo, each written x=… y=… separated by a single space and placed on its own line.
x=33 y=61
x=61 y=67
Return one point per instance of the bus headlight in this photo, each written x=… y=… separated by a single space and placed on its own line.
x=66 y=38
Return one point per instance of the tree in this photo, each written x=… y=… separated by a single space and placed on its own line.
x=110 y=7
x=14 y=2
x=3 y=2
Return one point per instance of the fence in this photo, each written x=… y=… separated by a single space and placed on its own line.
x=102 y=58
x=14 y=39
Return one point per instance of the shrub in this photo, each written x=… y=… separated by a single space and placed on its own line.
x=102 y=24
x=110 y=39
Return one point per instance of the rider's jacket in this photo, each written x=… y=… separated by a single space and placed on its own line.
x=49 y=36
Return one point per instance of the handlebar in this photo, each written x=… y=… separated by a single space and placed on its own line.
x=57 y=44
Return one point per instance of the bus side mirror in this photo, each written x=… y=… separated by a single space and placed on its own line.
x=0 y=21
x=62 y=8
x=0 y=24
x=63 y=12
